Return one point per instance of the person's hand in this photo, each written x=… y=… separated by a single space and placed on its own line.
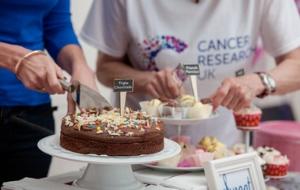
x=85 y=76
x=40 y=73
x=162 y=85
x=237 y=93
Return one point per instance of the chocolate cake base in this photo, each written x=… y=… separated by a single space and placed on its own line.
x=112 y=149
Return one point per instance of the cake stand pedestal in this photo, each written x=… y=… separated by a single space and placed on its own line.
x=247 y=133
x=179 y=123
x=112 y=177
x=107 y=172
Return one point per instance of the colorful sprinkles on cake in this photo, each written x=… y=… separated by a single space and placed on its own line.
x=151 y=47
x=111 y=122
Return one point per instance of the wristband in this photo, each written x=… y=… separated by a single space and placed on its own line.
x=36 y=52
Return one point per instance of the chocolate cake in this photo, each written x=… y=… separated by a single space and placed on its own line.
x=107 y=133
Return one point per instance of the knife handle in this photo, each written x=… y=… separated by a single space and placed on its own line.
x=67 y=86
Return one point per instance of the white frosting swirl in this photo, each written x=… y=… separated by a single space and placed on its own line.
x=250 y=110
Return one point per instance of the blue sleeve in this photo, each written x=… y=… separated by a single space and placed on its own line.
x=58 y=29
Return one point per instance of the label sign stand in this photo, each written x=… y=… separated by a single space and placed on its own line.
x=237 y=172
x=123 y=86
x=247 y=139
x=193 y=71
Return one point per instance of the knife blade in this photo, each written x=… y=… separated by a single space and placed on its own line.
x=84 y=96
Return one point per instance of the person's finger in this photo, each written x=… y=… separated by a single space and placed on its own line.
x=152 y=92
x=32 y=82
x=243 y=103
x=157 y=85
x=228 y=98
x=71 y=104
x=240 y=97
x=234 y=102
x=53 y=80
x=220 y=94
x=172 y=85
x=59 y=72
x=46 y=87
x=161 y=85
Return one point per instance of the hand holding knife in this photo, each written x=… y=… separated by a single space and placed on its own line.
x=84 y=96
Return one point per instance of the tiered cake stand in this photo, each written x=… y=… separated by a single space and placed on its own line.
x=247 y=134
x=107 y=172
x=179 y=123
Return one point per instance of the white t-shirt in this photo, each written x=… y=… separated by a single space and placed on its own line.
x=220 y=36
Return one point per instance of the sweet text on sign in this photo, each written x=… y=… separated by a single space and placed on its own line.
x=239 y=180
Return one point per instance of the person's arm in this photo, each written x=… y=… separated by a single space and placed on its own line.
x=62 y=44
x=236 y=93
x=160 y=84
x=71 y=59
x=10 y=55
x=281 y=39
x=286 y=74
x=37 y=72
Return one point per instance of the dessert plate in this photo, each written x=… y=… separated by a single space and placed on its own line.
x=277 y=177
x=178 y=169
x=183 y=122
x=50 y=145
x=247 y=128
x=102 y=169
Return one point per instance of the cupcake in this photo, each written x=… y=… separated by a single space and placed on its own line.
x=204 y=156
x=276 y=164
x=240 y=149
x=193 y=109
x=186 y=101
x=199 y=111
x=170 y=111
x=248 y=117
x=151 y=107
x=213 y=145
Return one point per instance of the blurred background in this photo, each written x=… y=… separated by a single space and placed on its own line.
x=275 y=108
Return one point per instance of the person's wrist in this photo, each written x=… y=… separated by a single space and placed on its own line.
x=16 y=56
x=78 y=68
x=256 y=84
x=25 y=57
x=268 y=82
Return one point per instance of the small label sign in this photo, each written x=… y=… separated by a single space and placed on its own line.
x=191 y=69
x=123 y=85
x=240 y=73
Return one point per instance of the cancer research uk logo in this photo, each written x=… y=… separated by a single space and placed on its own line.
x=232 y=54
x=152 y=47
x=216 y=56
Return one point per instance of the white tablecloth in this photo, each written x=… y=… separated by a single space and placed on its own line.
x=153 y=179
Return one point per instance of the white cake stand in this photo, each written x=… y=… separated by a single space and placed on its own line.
x=187 y=122
x=247 y=133
x=107 y=172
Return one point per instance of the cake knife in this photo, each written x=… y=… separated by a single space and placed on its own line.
x=84 y=96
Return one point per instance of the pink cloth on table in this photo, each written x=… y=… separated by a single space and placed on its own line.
x=282 y=135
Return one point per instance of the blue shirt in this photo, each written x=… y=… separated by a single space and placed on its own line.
x=35 y=25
